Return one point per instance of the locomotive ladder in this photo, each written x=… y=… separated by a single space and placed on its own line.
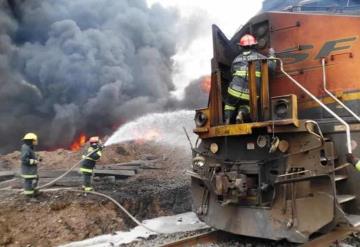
x=340 y=175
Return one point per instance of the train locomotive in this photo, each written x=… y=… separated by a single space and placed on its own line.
x=286 y=174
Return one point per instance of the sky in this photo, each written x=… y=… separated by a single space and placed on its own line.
x=229 y=15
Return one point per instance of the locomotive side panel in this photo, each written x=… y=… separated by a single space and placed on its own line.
x=302 y=40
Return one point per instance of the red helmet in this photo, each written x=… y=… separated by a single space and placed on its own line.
x=247 y=40
x=94 y=139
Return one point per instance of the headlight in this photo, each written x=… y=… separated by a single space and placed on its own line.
x=200 y=119
x=282 y=109
x=214 y=148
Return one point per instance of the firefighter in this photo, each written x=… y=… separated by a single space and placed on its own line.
x=237 y=100
x=92 y=154
x=29 y=163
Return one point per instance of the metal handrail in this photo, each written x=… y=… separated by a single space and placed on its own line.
x=333 y=96
x=347 y=127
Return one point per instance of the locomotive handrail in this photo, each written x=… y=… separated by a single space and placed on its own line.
x=333 y=96
x=347 y=127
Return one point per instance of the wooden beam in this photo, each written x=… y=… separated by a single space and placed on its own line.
x=57 y=173
x=253 y=91
x=220 y=98
x=116 y=173
x=5 y=175
x=65 y=181
x=264 y=97
x=215 y=103
x=115 y=167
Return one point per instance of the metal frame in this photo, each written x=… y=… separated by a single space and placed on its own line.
x=347 y=127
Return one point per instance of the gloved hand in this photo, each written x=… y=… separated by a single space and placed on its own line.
x=351 y=159
x=354 y=161
x=101 y=147
x=33 y=162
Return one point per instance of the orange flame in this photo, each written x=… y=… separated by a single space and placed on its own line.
x=206 y=84
x=78 y=142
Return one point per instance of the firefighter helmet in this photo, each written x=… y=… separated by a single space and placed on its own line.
x=94 y=139
x=31 y=136
x=247 y=40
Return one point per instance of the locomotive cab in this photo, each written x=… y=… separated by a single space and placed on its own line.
x=283 y=174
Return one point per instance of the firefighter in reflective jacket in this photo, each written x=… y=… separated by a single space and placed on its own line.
x=237 y=100
x=29 y=162
x=92 y=154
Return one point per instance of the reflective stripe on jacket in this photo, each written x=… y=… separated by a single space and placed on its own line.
x=238 y=94
x=93 y=154
x=86 y=170
x=229 y=107
x=244 y=73
x=89 y=159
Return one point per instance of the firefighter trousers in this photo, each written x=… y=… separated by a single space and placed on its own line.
x=30 y=185
x=87 y=181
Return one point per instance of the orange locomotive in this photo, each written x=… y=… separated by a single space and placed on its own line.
x=289 y=171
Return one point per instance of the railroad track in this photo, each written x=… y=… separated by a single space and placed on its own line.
x=332 y=237
x=203 y=238
x=216 y=236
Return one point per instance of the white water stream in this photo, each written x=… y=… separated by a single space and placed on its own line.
x=167 y=224
x=165 y=128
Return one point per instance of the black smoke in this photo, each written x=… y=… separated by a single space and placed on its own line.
x=83 y=66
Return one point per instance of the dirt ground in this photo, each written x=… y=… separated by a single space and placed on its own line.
x=56 y=218
x=61 y=217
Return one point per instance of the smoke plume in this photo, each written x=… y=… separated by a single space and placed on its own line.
x=85 y=66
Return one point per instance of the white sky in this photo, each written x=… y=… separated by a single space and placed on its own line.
x=229 y=15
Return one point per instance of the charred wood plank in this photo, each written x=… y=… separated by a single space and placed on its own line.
x=117 y=167
x=116 y=173
x=57 y=173
x=6 y=175
x=66 y=182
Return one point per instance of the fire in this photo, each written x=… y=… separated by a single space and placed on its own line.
x=206 y=84
x=78 y=142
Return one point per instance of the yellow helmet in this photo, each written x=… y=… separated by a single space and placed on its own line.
x=31 y=136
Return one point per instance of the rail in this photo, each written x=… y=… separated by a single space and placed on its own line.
x=205 y=239
x=347 y=127
x=333 y=96
x=332 y=237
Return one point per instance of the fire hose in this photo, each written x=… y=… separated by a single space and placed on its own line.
x=88 y=192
